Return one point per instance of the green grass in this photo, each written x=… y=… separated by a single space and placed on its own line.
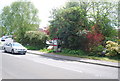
x=92 y=57
x=83 y=55
x=46 y=50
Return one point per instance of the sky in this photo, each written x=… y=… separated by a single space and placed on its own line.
x=44 y=7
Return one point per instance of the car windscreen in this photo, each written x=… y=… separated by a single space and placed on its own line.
x=17 y=44
x=5 y=37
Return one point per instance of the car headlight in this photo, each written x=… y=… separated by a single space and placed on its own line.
x=17 y=49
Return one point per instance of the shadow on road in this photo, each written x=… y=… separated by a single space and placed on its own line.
x=11 y=53
x=54 y=58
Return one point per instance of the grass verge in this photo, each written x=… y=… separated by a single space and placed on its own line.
x=110 y=59
x=84 y=55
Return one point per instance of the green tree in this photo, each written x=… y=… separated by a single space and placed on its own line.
x=67 y=24
x=71 y=22
x=104 y=15
x=18 y=18
x=71 y=4
x=36 y=39
x=2 y=29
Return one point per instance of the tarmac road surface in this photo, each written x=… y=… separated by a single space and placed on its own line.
x=32 y=66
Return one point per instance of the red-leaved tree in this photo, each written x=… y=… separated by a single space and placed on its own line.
x=94 y=38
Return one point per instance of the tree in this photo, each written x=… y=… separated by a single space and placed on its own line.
x=0 y=31
x=3 y=30
x=35 y=39
x=71 y=4
x=18 y=18
x=66 y=25
x=104 y=15
x=76 y=19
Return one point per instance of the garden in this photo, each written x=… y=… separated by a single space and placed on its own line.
x=86 y=30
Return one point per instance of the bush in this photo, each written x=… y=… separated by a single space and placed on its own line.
x=32 y=47
x=97 y=50
x=46 y=50
x=114 y=39
x=69 y=51
x=35 y=39
x=112 y=48
x=94 y=40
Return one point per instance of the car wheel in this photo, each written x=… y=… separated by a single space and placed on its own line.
x=12 y=51
x=5 y=50
x=23 y=53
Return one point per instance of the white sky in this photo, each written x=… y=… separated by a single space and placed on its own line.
x=44 y=7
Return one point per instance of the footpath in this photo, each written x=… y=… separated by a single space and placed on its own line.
x=83 y=60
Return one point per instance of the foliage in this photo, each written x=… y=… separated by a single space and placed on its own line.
x=66 y=25
x=69 y=51
x=65 y=51
x=46 y=50
x=114 y=39
x=32 y=47
x=70 y=22
x=97 y=50
x=95 y=36
x=71 y=4
x=104 y=14
x=3 y=30
x=112 y=48
x=93 y=39
x=35 y=38
x=18 y=18
x=82 y=55
x=0 y=31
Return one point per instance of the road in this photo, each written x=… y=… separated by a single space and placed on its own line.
x=32 y=66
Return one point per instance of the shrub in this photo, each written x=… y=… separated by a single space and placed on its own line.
x=35 y=39
x=112 y=48
x=114 y=39
x=69 y=51
x=94 y=39
x=97 y=50
x=46 y=50
x=32 y=47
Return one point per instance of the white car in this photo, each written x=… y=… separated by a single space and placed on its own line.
x=14 y=47
x=4 y=38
